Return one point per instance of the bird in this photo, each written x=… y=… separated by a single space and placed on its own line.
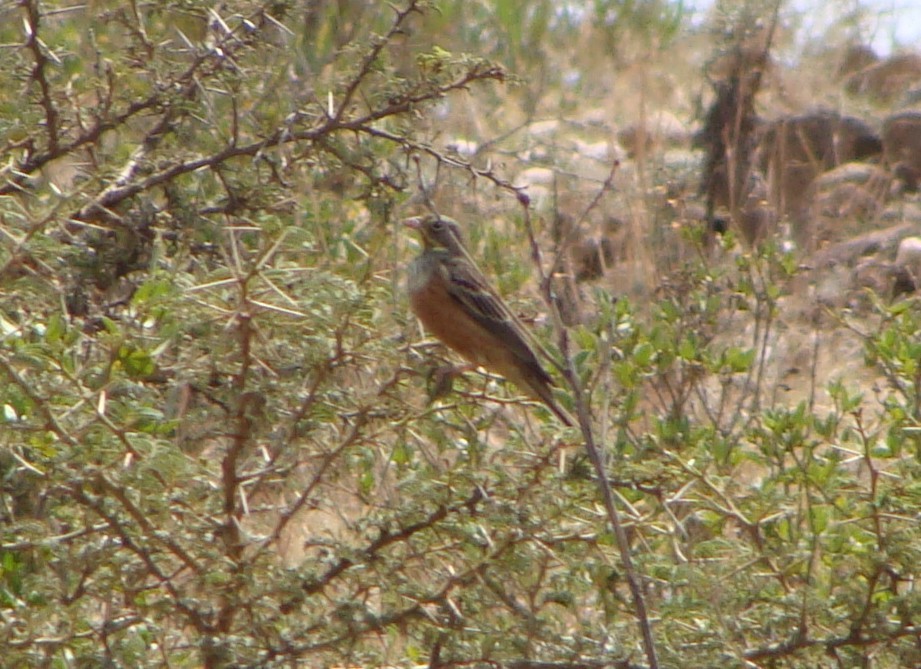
x=456 y=304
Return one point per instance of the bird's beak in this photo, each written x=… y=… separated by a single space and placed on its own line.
x=415 y=222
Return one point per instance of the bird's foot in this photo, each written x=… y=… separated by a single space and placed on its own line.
x=440 y=380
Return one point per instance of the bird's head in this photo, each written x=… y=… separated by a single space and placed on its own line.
x=438 y=232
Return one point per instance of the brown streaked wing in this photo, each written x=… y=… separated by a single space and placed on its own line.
x=468 y=287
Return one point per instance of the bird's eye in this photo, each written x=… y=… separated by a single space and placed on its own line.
x=438 y=225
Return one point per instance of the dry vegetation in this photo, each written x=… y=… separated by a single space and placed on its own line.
x=220 y=443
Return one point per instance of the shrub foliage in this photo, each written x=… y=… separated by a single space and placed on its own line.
x=217 y=447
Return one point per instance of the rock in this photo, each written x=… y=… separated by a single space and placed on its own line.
x=600 y=151
x=845 y=199
x=902 y=148
x=795 y=150
x=887 y=280
x=543 y=128
x=887 y=79
x=757 y=218
x=599 y=117
x=593 y=256
x=534 y=176
x=870 y=243
x=901 y=212
x=856 y=58
x=661 y=129
x=463 y=147
x=850 y=173
x=912 y=97
x=908 y=257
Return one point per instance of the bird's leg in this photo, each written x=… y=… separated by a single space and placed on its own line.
x=440 y=380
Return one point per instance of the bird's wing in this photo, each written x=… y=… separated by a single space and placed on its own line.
x=468 y=286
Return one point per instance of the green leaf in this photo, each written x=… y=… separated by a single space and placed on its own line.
x=720 y=448
x=151 y=290
x=401 y=453
x=136 y=362
x=643 y=354
x=687 y=350
x=818 y=515
x=366 y=481
x=739 y=360
x=55 y=329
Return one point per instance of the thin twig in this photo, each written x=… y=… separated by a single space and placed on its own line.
x=583 y=413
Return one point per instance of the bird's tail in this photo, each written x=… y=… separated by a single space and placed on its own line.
x=544 y=393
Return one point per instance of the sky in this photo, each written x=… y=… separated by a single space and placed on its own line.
x=888 y=24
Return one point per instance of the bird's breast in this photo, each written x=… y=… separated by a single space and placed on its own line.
x=446 y=319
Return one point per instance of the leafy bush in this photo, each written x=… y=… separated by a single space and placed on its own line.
x=217 y=448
